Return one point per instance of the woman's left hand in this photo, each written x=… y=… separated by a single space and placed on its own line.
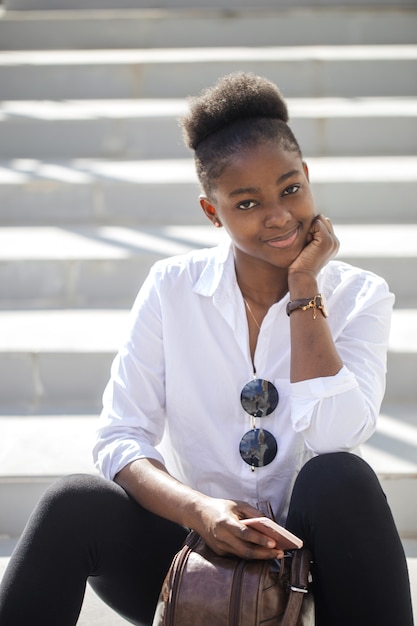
x=321 y=246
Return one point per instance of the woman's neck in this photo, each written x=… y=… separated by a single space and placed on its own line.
x=261 y=286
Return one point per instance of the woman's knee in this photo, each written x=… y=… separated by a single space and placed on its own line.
x=336 y=495
x=336 y=485
x=75 y=487
x=75 y=499
x=337 y=474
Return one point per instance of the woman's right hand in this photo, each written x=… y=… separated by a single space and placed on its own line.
x=216 y=520
x=220 y=527
x=321 y=246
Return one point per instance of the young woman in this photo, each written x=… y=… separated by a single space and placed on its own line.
x=251 y=372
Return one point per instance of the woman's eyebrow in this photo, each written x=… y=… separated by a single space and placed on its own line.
x=287 y=175
x=244 y=190
x=249 y=190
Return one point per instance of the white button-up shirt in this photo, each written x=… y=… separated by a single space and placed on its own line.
x=174 y=391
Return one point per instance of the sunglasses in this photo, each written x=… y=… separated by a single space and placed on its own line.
x=258 y=447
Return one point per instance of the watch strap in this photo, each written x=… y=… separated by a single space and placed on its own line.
x=316 y=302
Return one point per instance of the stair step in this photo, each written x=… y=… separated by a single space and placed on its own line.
x=36 y=450
x=86 y=266
x=92 y=266
x=41 y=5
x=149 y=128
x=162 y=28
x=301 y=71
x=61 y=359
x=151 y=192
x=392 y=450
x=42 y=446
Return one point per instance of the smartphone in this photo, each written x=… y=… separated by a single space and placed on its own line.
x=284 y=539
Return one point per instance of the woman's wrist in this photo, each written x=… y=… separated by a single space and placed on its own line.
x=302 y=285
x=193 y=510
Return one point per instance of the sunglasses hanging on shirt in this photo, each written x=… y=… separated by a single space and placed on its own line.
x=258 y=447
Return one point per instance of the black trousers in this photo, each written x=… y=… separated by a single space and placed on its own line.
x=88 y=529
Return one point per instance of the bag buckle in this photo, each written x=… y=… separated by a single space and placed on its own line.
x=299 y=589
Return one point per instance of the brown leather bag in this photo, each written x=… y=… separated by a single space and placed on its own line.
x=205 y=589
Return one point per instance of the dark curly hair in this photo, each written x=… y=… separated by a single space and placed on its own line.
x=239 y=111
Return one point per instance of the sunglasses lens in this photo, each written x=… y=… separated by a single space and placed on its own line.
x=258 y=447
x=259 y=397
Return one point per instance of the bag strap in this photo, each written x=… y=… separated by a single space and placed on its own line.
x=264 y=507
x=300 y=568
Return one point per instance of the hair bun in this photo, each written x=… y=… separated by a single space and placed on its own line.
x=234 y=97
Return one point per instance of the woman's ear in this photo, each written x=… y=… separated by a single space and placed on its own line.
x=210 y=211
x=306 y=172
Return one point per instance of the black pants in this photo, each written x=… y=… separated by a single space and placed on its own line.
x=86 y=528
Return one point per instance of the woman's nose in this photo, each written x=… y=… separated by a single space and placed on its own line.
x=276 y=215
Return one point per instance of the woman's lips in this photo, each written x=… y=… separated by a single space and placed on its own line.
x=285 y=241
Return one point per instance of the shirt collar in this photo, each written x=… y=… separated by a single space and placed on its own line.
x=218 y=281
x=219 y=272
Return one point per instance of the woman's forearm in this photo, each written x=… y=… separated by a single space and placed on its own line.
x=313 y=352
x=149 y=483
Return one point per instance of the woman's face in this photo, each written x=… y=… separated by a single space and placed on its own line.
x=264 y=201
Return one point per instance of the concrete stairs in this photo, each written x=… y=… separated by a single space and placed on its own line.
x=95 y=185
x=169 y=26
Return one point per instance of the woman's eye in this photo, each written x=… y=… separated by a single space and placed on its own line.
x=291 y=190
x=247 y=204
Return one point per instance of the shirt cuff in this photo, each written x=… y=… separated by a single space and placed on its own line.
x=306 y=394
x=109 y=463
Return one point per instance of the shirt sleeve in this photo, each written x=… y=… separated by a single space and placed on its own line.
x=133 y=416
x=339 y=413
